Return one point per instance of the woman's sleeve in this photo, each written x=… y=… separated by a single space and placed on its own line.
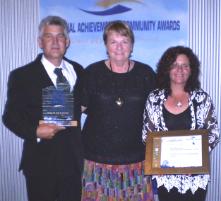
x=212 y=125
x=148 y=124
x=85 y=90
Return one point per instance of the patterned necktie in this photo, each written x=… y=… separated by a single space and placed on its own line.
x=60 y=77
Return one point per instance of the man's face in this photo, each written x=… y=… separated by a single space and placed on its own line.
x=53 y=43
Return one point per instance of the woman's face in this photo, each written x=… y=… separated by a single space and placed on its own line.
x=118 y=47
x=180 y=70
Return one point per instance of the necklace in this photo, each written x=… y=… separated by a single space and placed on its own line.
x=179 y=104
x=128 y=68
x=120 y=100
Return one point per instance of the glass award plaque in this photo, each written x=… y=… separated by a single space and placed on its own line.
x=58 y=105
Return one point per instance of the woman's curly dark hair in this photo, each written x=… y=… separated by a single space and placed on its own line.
x=164 y=67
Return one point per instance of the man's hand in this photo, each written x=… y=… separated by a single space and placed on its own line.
x=48 y=131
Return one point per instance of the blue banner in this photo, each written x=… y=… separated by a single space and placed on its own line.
x=157 y=24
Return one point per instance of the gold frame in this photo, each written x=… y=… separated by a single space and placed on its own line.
x=150 y=159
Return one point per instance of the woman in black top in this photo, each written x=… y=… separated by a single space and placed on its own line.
x=114 y=96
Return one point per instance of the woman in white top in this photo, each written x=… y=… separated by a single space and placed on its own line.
x=179 y=103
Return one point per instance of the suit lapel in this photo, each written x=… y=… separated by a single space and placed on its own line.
x=42 y=74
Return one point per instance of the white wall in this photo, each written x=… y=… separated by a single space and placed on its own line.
x=18 y=45
x=204 y=38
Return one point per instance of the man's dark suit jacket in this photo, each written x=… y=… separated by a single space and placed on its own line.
x=23 y=110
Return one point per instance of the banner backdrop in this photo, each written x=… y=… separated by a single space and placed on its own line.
x=157 y=24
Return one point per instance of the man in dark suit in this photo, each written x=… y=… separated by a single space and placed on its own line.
x=52 y=155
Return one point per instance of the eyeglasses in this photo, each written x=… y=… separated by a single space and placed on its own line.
x=183 y=66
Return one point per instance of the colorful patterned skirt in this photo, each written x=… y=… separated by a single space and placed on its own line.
x=103 y=182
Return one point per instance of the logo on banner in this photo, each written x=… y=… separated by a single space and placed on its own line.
x=117 y=9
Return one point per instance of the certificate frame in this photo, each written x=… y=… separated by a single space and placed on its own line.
x=153 y=158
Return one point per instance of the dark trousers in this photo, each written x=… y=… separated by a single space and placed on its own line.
x=174 y=195
x=53 y=188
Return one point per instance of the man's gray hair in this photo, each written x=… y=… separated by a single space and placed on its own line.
x=53 y=20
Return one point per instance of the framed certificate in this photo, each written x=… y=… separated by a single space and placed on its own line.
x=177 y=152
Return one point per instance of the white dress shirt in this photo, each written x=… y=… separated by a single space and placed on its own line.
x=67 y=70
